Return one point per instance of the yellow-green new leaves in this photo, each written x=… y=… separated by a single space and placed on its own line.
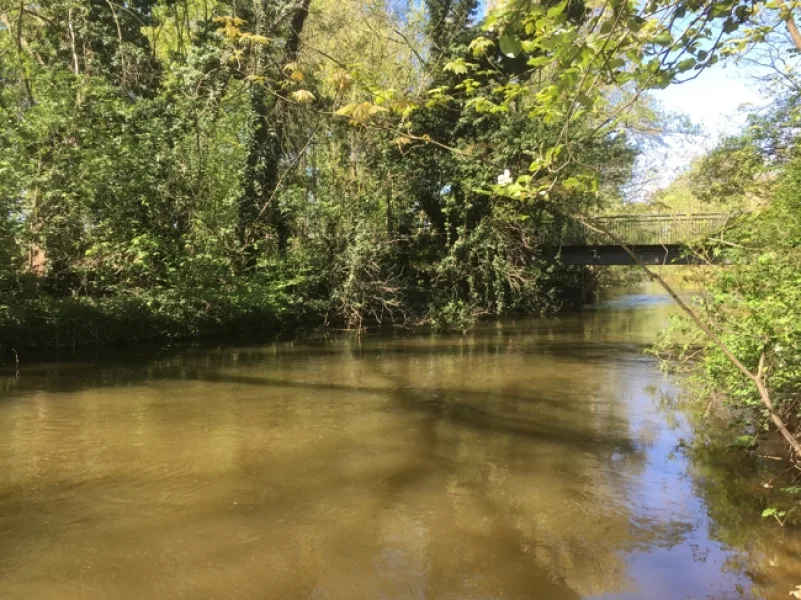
x=360 y=112
x=546 y=158
x=401 y=142
x=480 y=46
x=294 y=71
x=576 y=58
x=483 y=105
x=256 y=39
x=303 y=96
x=556 y=10
x=229 y=26
x=237 y=40
x=341 y=80
x=459 y=66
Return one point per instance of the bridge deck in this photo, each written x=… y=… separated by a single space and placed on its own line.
x=649 y=254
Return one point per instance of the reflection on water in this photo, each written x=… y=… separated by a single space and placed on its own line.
x=531 y=459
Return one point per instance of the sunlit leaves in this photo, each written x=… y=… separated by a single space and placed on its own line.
x=510 y=45
x=230 y=26
x=294 y=71
x=556 y=10
x=458 y=66
x=401 y=142
x=663 y=39
x=256 y=39
x=585 y=100
x=484 y=105
x=360 y=111
x=341 y=80
x=438 y=96
x=469 y=86
x=574 y=61
x=480 y=46
x=303 y=96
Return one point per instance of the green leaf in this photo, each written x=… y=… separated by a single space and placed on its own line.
x=664 y=39
x=302 y=96
x=510 y=45
x=635 y=23
x=585 y=100
x=616 y=63
x=556 y=10
x=480 y=46
x=458 y=66
x=539 y=61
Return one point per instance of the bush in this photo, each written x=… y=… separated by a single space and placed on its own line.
x=456 y=316
x=755 y=306
x=48 y=322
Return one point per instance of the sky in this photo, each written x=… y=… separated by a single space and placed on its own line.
x=716 y=101
x=713 y=99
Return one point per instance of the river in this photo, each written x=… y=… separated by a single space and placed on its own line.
x=540 y=458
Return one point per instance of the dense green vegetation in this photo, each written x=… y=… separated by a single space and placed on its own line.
x=754 y=303
x=180 y=169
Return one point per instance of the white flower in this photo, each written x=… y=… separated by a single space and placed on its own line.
x=505 y=178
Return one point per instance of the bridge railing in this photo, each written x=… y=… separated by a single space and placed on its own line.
x=664 y=229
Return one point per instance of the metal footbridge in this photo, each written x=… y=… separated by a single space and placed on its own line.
x=656 y=239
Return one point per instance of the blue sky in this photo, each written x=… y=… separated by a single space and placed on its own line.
x=713 y=99
x=717 y=102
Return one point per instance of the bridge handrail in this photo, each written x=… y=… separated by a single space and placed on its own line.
x=668 y=228
x=666 y=217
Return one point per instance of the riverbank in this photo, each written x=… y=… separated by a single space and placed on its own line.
x=38 y=320
x=44 y=322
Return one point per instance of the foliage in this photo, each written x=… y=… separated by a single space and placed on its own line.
x=157 y=316
x=455 y=316
x=756 y=302
x=753 y=304
x=734 y=171
x=184 y=157
x=172 y=170
x=582 y=68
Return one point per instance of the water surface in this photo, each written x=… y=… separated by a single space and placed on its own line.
x=531 y=459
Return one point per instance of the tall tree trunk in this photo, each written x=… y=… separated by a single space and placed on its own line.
x=258 y=207
x=789 y=20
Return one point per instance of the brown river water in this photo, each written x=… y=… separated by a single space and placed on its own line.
x=530 y=459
